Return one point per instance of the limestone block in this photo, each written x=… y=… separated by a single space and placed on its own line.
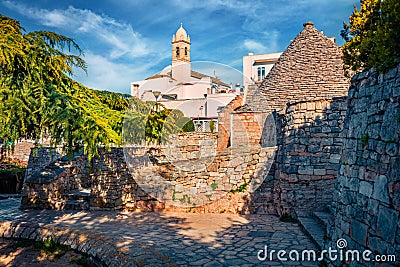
x=381 y=191
x=387 y=223
x=359 y=232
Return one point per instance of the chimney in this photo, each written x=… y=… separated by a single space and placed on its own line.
x=135 y=90
x=309 y=23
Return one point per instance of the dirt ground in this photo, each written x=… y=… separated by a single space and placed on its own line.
x=19 y=254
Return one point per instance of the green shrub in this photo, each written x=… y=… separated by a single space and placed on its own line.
x=212 y=126
x=364 y=139
x=242 y=188
x=214 y=186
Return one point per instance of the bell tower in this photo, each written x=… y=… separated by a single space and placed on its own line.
x=180 y=46
x=181 y=70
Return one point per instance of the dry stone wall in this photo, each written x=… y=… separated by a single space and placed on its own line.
x=367 y=193
x=309 y=151
x=21 y=151
x=301 y=179
x=218 y=182
x=224 y=122
x=40 y=157
x=116 y=182
x=247 y=128
x=49 y=178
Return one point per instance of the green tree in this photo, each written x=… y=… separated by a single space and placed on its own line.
x=372 y=36
x=113 y=100
x=151 y=122
x=38 y=97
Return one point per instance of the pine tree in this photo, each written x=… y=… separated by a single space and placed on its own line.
x=372 y=36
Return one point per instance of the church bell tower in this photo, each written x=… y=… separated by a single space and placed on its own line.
x=181 y=70
x=180 y=46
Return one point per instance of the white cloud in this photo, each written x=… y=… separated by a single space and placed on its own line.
x=271 y=38
x=254 y=46
x=119 y=37
x=106 y=74
x=267 y=42
x=115 y=53
x=240 y=6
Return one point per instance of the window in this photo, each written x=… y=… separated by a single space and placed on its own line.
x=177 y=51
x=261 y=73
x=186 y=51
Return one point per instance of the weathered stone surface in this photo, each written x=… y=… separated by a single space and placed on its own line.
x=366 y=188
x=381 y=192
x=310 y=68
x=307 y=160
x=115 y=185
x=359 y=232
x=371 y=143
x=387 y=223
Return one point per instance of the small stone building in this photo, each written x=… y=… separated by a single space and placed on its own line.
x=310 y=68
x=306 y=91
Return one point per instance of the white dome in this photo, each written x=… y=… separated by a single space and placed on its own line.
x=181 y=34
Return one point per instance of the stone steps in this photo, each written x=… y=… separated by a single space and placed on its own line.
x=315 y=226
x=76 y=205
x=78 y=194
x=77 y=199
x=331 y=208
x=323 y=218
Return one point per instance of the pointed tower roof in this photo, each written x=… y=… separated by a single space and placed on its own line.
x=310 y=68
x=181 y=35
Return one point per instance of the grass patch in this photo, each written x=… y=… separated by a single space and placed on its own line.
x=50 y=247
x=47 y=246
x=364 y=139
x=185 y=199
x=214 y=186
x=242 y=188
x=54 y=251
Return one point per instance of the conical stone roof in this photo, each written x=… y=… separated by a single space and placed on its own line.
x=310 y=68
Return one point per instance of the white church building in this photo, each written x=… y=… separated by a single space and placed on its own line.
x=177 y=86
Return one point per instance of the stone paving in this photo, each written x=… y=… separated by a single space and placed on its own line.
x=159 y=239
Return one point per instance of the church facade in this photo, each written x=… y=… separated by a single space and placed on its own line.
x=177 y=86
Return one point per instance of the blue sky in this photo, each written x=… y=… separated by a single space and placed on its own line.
x=129 y=40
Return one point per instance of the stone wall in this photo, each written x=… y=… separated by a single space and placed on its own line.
x=49 y=178
x=40 y=157
x=186 y=175
x=206 y=182
x=224 y=122
x=21 y=151
x=194 y=175
x=309 y=151
x=367 y=193
x=247 y=128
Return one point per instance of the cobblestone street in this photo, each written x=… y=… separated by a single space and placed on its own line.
x=183 y=239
